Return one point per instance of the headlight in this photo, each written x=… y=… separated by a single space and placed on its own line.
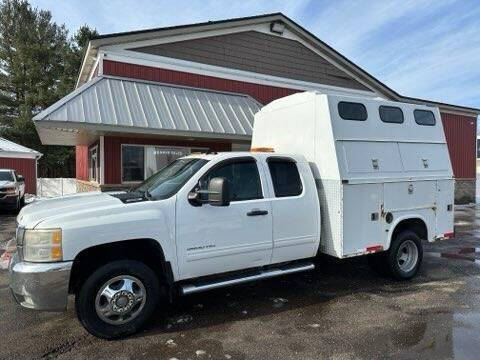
x=42 y=245
x=10 y=191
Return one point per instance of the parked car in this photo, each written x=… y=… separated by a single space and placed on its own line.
x=328 y=174
x=12 y=190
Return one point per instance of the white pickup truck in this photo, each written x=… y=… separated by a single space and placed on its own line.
x=337 y=175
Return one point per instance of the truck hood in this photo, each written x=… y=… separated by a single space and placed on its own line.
x=5 y=183
x=38 y=211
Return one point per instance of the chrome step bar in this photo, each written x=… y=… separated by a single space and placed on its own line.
x=266 y=274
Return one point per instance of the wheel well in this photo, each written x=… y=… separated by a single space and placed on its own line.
x=147 y=251
x=416 y=225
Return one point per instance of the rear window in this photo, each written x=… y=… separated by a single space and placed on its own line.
x=352 y=111
x=391 y=114
x=424 y=117
x=285 y=177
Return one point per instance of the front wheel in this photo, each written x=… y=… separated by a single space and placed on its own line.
x=117 y=299
x=405 y=255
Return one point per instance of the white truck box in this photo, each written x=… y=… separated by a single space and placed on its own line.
x=365 y=171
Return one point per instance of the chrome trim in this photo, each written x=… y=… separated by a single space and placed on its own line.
x=190 y=289
x=40 y=286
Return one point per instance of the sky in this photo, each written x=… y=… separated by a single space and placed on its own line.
x=420 y=48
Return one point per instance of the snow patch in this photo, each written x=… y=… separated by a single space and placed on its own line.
x=200 y=353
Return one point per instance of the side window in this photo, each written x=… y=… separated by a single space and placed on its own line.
x=352 y=111
x=285 y=177
x=424 y=117
x=243 y=177
x=391 y=114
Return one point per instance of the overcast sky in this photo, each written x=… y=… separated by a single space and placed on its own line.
x=420 y=48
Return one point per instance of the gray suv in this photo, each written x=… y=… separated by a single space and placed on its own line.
x=12 y=190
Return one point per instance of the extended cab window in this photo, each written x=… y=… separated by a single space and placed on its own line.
x=242 y=176
x=391 y=114
x=352 y=111
x=424 y=117
x=285 y=177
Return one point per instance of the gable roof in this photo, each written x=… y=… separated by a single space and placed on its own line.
x=148 y=34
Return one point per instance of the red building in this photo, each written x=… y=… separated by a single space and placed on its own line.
x=146 y=97
x=21 y=159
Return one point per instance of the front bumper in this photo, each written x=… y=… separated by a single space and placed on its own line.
x=8 y=201
x=40 y=286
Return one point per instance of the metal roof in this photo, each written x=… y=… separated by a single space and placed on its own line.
x=138 y=104
x=11 y=149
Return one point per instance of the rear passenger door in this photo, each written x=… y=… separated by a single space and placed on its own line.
x=294 y=204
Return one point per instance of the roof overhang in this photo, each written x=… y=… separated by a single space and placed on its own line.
x=90 y=57
x=124 y=107
x=19 y=155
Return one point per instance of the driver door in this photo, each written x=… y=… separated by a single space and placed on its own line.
x=218 y=239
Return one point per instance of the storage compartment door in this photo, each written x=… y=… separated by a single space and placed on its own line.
x=425 y=158
x=444 y=212
x=370 y=158
x=362 y=223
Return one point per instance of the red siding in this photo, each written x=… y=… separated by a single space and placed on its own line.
x=81 y=156
x=461 y=134
x=113 y=148
x=262 y=93
x=25 y=167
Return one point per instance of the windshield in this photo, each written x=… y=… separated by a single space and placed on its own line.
x=170 y=179
x=6 y=176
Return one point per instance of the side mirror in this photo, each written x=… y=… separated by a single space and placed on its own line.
x=219 y=192
x=20 y=178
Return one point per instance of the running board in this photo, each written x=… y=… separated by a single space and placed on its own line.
x=265 y=274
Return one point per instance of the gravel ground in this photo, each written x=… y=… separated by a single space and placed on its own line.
x=342 y=310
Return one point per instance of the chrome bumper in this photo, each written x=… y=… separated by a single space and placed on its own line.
x=40 y=286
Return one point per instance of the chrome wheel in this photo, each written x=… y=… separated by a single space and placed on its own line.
x=407 y=256
x=120 y=300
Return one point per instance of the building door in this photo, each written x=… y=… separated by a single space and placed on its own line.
x=217 y=239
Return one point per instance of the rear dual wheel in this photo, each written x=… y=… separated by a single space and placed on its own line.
x=402 y=260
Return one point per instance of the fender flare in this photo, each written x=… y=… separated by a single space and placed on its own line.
x=398 y=221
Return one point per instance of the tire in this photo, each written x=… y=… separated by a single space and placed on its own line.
x=125 y=313
x=405 y=266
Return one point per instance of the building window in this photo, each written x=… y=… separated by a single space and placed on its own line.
x=133 y=163
x=391 y=114
x=157 y=157
x=478 y=148
x=139 y=162
x=285 y=177
x=242 y=176
x=352 y=111
x=424 y=117
x=93 y=163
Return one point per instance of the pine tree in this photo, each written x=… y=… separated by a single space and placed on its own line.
x=38 y=65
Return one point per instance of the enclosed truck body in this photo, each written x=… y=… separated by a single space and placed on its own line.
x=376 y=164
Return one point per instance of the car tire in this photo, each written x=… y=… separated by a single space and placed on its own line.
x=405 y=255
x=108 y=304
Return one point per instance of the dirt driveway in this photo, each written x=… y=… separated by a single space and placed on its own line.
x=340 y=311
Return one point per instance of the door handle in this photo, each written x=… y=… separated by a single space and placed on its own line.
x=257 y=212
